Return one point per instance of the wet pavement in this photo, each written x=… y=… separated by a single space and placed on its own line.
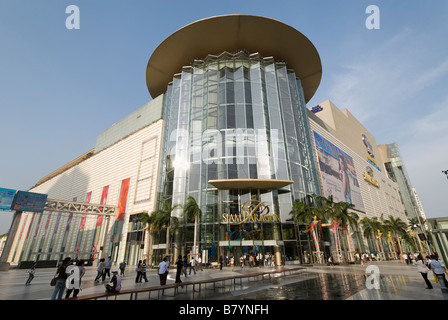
x=396 y=281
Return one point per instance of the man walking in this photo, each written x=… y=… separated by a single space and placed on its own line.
x=192 y=263
x=107 y=266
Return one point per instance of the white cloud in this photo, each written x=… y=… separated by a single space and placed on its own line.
x=393 y=89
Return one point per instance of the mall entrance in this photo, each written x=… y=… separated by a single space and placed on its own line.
x=251 y=220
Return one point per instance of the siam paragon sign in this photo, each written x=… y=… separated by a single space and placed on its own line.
x=251 y=211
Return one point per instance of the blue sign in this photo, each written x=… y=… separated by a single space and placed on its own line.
x=6 y=198
x=316 y=109
x=29 y=201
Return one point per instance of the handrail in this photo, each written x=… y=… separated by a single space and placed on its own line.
x=134 y=292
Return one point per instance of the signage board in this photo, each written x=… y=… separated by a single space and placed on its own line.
x=6 y=198
x=29 y=201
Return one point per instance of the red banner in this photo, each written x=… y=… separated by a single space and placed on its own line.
x=99 y=220
x=84 y=216
x=122 y=201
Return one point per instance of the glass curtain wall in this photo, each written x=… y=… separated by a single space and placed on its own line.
x=236 y=116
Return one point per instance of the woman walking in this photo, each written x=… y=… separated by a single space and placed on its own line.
x=100 y=270
x=139 y=271
x=61 y=277
x=423 y=269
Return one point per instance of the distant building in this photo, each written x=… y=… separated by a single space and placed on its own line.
x=439 y=232
x=396 y=170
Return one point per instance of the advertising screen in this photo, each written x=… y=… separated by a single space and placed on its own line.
x=338 y=173
x=6 y=198
x=29 y=201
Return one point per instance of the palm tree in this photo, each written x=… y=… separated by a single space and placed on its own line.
x=416 y=223
x=340 y=216
x=372 y=227
x=303 y=213
x=193 y=212
x=161 y=219
x=347 y=220
x=397 y=227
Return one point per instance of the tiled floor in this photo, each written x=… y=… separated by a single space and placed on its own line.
x=396 y=282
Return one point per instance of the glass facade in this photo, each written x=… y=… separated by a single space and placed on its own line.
x=397 y=172
x=236 y=116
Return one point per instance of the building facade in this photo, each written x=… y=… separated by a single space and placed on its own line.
x=227 y=126
x=396 y=170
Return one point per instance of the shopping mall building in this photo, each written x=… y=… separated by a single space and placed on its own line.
x=228 y=125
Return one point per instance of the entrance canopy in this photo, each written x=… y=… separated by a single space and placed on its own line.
x=267 y=184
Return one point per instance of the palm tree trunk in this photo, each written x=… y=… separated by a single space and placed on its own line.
x=195 y=235
x=167 y=250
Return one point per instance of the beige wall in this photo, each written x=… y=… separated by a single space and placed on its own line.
x=345 y=127
x=344 y=131
x=135 y=157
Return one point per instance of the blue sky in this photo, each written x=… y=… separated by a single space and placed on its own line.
x=60 y=88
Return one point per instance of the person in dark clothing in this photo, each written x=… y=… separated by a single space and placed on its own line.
x=221 y=262
x=179 y=267
x=185 y=265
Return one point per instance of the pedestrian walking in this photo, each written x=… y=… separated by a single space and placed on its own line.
x=221 y=262
x=107 y=266
x=122 y=268
x=185 y=265
x=232 y=262
x=61 y=277
x=439 y=270
x=242 y=262
x=81 y=272
x=143 y=276
x=192 y=264
x=162 y=270
x=199 y=263
x=100 y=270
x=31 y=273
x=179 y=267
x=139 y=271
x=116 y=282
x=423 y=269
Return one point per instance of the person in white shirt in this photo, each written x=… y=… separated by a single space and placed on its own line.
x=423 y=269
x=200 y=263
x=439 y=270
x=192 y=263
x=163 y=270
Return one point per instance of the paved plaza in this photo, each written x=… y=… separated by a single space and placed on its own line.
x=397 y=281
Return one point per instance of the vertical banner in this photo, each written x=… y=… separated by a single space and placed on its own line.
x=99 y=220
x=23 y=227
x=84 y=216
x=38 y=225
x=56 y=225
x=31 y=225
x=122 y=200
x=47 y=224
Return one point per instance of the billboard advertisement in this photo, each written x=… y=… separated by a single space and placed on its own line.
x=6 y=198
x=338 y=173
x=29 y=201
